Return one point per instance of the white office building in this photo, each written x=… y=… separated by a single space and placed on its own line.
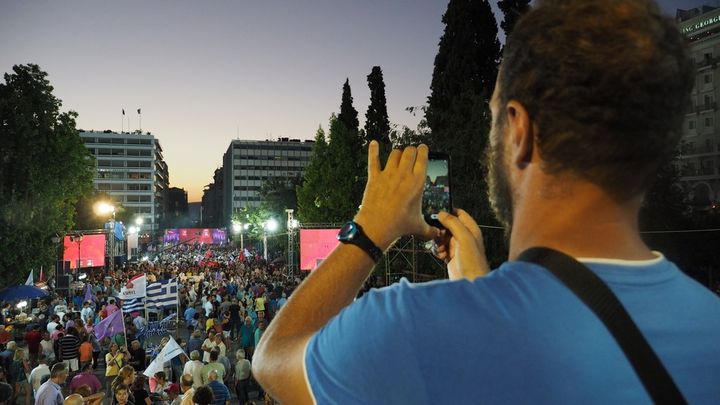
x=131 y=168
x=247 y=165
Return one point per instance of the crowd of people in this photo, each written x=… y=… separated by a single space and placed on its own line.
x=226 y=298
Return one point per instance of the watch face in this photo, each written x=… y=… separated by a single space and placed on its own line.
x=347 y=232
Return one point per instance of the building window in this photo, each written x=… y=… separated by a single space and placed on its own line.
x=708 y=78
x=708 y=122
x=691 y=124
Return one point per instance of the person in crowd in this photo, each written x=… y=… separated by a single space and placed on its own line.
x=578 y=133
x=111 y=308
x=121 y=395
x=221 y=394
x=259 y=331
x=33 y=339
x=52 y=325
x=47 y=348
x=39 y=373
x=208 y=345
x=86 y=351
x=213 y=365
x=7 y=355
x=19 y=370
x=69 y=347
x=242 y=376
x=247 y=337
x=220 y=344
x=158 y=383
x=194 y=368
x=87 y=314
x=86 y=377
x=173 y=394
x=114 y=360
x=203 y=395
x=187 y=388
x=140 y=392
x=188 y=315
x=126 y=376
x=195 y=342
x=137 y=356
x=50 y=392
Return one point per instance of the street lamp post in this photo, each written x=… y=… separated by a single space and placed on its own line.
x=292 y=225
x=103 y=208
x=270 y=225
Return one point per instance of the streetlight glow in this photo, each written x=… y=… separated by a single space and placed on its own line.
x=139 y=221
x=293 y=224
x=236 y=228
x=104 y=208
x=271 y=225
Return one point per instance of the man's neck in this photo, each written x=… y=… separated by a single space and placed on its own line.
x=581 y=220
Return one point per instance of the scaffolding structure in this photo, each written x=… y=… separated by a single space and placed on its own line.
x=406 y=250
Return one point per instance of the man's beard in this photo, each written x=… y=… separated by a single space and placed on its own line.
x=499 y=192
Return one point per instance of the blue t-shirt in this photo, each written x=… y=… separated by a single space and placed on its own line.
x=220 y=392
x=515 y=336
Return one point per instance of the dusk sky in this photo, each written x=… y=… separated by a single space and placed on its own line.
x=204 y=73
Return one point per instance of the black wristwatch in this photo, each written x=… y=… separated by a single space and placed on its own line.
x=352 y=233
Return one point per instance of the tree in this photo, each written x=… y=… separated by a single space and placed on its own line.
x=312 y=194
x=347 y=175
x=44 y=169
x=458 y=114
x=377 y=123
x=348 y=113
x=279 y=195
x=512 y=10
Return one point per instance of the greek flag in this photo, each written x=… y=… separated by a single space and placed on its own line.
x=157 y=328
x=132 y=305
x=163 y=294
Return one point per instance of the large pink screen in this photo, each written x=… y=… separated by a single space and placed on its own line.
x=315 y=246
x=92 y=251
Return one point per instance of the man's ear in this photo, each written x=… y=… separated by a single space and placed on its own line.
x=522 y=134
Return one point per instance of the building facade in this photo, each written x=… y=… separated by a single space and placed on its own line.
x=247 y=165
x=131 y=169
x=211 y=210
x=700 y=146
x=176 y=214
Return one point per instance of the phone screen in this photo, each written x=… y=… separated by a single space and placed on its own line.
x=436 y=192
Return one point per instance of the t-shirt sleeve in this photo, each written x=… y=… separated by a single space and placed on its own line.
x=364 y=354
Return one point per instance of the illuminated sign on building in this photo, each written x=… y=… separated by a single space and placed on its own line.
x=702 y=24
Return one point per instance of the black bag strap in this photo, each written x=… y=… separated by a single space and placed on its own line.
x=602 y=301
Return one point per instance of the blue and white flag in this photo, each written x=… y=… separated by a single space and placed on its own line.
x=133 y=305
x=157 y=328
x=163 y=294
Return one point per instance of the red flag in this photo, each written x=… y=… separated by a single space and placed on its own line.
x=42 y=275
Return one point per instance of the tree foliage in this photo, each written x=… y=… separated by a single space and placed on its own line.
x=312 y=194
x=377 y=123
x=44 y=169
x=348 y=113
x=512 y=10
x=458 y=114
x=279 y=194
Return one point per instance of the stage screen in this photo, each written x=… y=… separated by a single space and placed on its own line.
x=192 y=235
x=92 y=251
x=315 y=246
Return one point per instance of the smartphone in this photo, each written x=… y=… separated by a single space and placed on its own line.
x=436 y=192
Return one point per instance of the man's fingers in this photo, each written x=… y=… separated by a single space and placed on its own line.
x=393 y=159
x=421 y=161
x=455 y=226
x=470 y=224
x=373 y=158
x=407 y=161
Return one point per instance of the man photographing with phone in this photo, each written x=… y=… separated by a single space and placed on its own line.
x=588 y=104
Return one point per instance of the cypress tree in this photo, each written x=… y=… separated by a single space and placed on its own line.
x=458 y=114
x=512 y=10
x=377 y=123
x=348 y=113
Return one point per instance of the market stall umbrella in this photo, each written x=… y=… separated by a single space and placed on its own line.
x=21 y=292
